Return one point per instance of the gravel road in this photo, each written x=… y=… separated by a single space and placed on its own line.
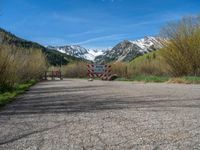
x=80 y=115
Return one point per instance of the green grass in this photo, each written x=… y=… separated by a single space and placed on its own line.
x=186 y=80
x=8 y=96
x=192 y=79
x=151 y=78
x=145 y=79
x=146 y=57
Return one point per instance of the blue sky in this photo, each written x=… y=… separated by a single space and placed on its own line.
x=90 y=23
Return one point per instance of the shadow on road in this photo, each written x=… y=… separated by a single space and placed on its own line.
x=73 y=100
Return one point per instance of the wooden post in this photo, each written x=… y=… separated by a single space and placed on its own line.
x=52 y=75
x=61 y=76
x=45 y=75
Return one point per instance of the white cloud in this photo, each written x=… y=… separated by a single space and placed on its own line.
x=155 y=20
x=108 y=37
x=86 y=33
x=53 y=41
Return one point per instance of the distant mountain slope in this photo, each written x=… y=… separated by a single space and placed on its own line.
x=54 y=57
x=78 y=51
x=128 y=50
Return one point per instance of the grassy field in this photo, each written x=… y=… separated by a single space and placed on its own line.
x=6 y=97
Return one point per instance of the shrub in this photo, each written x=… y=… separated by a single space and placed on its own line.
x=120 y=68
x=33 y=65
x=182 y=49
x=75 y=70
x=8 y=65
x=148 y=64
x=20 y=65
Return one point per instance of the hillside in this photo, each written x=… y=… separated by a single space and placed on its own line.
x=54 y=57
x=128 y=50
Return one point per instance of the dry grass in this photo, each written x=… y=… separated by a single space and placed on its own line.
x=20 y=65
x=178 y=80
x=120 y=68
x=75 y=70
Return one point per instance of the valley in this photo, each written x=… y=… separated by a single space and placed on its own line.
x=99 y=75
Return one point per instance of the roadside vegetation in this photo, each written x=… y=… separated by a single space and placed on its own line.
x=8 y=95
x=177 y=62
x=19 y=69
x=182 y=49
x=75 y=70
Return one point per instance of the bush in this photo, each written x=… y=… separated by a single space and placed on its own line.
x=182 y=49
x=7 y=68
x=33 y=65
x=120 y=68
x=20 y=65
x=148 y=64
x=75 y=70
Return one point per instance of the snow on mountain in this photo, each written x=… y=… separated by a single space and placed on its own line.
x=128 y=50
x=78 y=51
x=148 y=43
x=92 y=54
x=124 y=51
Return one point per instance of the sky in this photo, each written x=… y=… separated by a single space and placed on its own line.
x=95 y=24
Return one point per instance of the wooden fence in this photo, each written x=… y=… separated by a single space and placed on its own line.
x=53 y=75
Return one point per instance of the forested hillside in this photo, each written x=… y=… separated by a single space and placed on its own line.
x=54 y=57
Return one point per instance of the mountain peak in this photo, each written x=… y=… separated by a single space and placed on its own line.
x=123 y=51
x=128 y=50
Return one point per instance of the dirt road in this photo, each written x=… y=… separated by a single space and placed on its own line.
x=77 y=114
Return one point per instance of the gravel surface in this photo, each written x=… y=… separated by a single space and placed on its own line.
x=82 y=115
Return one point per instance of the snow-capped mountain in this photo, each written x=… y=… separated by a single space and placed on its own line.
x=93 y=53
x=128 y=50
x=124 y=51
x=78 y=51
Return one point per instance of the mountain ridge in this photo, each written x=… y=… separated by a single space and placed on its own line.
x=127 y=50
x=123 y=51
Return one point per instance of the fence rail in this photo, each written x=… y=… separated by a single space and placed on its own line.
x=53 y=75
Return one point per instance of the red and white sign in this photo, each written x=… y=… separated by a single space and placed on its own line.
x=101 y=71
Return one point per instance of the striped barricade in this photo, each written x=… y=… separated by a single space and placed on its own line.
x=99 y=71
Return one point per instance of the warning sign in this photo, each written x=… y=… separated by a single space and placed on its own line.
x=99 y=69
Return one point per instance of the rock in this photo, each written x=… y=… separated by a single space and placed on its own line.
x=113 y=77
